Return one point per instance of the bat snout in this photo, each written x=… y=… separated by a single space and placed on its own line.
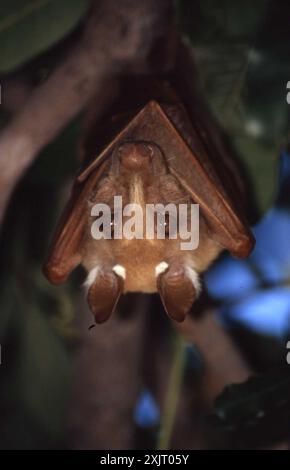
x=135 y=156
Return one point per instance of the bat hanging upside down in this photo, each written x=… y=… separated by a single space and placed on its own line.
x=157 y=155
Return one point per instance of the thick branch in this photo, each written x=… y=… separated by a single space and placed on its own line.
x=107 y=380
x=116 y=34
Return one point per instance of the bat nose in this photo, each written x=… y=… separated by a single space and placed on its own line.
x=134 y=157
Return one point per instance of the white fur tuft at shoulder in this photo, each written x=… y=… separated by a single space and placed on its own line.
x=161 y=268
x=92 y=276
x=194 y=277
x=120 y=271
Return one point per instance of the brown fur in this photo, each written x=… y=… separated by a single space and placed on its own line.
x=140 y=257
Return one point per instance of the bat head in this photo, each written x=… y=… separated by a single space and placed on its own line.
x=135 y=156
x=138 y=158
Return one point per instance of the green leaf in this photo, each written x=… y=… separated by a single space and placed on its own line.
x=241 y=50
x=257 y=411
x=58 y=160
x=45 y=373
x=29 y=27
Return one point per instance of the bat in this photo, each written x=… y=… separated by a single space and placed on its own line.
x=148 y=152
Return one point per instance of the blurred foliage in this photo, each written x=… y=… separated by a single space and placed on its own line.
x=255 y=292
x=37 y=335
x=173 y=392
x=254 y=301
x=256 y=412
x=29 y=27
x=147 y=413
x=242 y=52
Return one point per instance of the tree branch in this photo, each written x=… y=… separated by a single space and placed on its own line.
x=107 y=379
x=116 y=34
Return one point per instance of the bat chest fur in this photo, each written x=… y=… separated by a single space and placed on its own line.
x=143 y=280
x=139 y=258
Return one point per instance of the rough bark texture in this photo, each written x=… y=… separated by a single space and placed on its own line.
x=113 y=38
x=107 y=381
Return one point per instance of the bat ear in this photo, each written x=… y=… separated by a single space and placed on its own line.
x=177 y=291
x=103 y=294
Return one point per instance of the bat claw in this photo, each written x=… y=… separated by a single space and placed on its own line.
x=103 y=294
x=177 y=291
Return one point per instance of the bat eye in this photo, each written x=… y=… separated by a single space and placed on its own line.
x=164 y=225
x=108 y=231
x=112 y=226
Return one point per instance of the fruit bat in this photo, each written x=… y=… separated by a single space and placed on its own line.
x=148 y=150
